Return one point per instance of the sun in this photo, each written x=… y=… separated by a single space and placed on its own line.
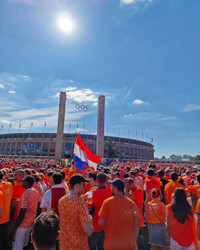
x=65 y=24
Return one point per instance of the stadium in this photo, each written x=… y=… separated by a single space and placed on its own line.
x=43 y=145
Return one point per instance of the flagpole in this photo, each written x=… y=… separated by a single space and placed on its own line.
x=1 y=127
x=44 y=126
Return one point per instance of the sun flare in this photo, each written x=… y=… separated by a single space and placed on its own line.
x=65 y=24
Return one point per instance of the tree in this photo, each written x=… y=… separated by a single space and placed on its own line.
x=195 y=158
x=111 y=149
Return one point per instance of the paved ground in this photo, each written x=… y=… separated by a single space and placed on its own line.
x=142 y=242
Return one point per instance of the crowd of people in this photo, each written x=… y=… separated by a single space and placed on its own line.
x=47 y=204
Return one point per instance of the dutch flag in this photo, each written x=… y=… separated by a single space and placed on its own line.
x=83 y=157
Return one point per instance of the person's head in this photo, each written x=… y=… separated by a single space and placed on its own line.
x=180 y=206
x=117 y=186
x=92 y=177
x=63 y=174
x=57 y=178
x=161 y=173
x=155 y=193
x=132 y=174
x=198 y=177
x=50 y=177
x=174 y=176
x=127 y=169
x=131 y=184
x=28 y=182
x=45 y=231
x=11 y=180
x=101 y=179
x=116 y=174
x=150 y=172
x=152 y=163
x=27 y=171
x=36 y=177
x=19 y=175
x=187 y=172
x=77 y=184
x=1 y=175
x=167 y=172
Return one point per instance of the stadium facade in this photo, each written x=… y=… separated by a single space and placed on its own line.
x=44 y=145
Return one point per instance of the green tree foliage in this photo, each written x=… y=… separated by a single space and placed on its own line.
x=195 y=158
x=111 y=149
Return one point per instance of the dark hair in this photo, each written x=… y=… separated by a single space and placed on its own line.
x=1 y=175
x=174 y=176
x=155 y=192
x=33 y=171
x=161 y=173
x=30 y=180
x=57 y=178
x=45 y=230
x=62 y=172
x=150 y=172
x=101 y=177
x=11 y=180
x=198 y=177
x=126 y=176
x=36 y=177
x=27 y=171
x=92 y=175
x=50 y=173
x=180 y=206
x=132 y=173
x=181 y=181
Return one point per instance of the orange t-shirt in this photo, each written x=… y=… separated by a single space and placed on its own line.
x=169 y=190
x=197 y=211
x=99 y=195
x=154 y=212
x=197 y=187
x=138 y=198
x=182 y=233
x=74 y=214
x=119 y=213
x=7 y=191
x=18 y=190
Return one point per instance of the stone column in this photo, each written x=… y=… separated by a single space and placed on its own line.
x=100 y=126
x=60 y=127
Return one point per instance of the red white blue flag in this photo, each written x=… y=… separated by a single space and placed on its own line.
x=83 y=157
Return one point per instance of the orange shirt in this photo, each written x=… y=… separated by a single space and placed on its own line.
x=120 y=213
x=138 y=198
x=18 y=190
x=182 y=233
x=169 y=190
x=7 y=190
x=99 y=195
x=154 y=212
x=197 y=187
x=197 y=211
x=73 y=215
x=29 y=200
x=1 y=203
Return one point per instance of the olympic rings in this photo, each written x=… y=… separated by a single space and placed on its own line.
x=82 y=107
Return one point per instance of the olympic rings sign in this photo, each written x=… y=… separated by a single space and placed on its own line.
x=82 y=107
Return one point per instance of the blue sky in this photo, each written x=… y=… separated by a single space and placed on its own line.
x=142 y=55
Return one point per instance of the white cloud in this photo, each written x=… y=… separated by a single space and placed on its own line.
x=11 y=92
x=168 y=118
x=80 y=95
x=140 y=102
x=134 y=1
x=191 y=107
x=144 y=117
x=2 y=86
